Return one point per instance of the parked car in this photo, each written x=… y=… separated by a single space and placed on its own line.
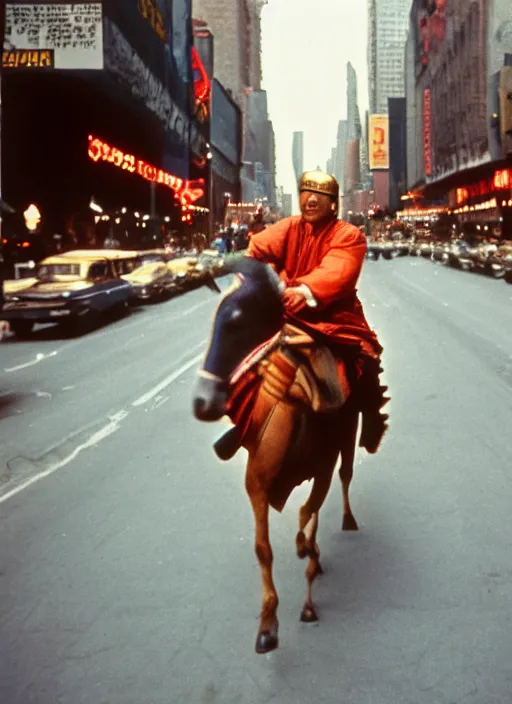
x=71 y=289
x=500 y=262
x=402 y=248
x=189 y=271
x=474 y=256
x=211 y=259
x=373 y=250
x=440 y=251
x=152 y=279
x=389 y=250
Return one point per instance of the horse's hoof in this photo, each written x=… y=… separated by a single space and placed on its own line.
x=302 y=547
x=267 y=641
x=349 y=522
x=308 y=614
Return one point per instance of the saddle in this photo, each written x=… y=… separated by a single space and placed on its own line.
x=291 y=368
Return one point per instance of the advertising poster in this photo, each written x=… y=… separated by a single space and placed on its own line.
x=378 y=140
x=57 y=35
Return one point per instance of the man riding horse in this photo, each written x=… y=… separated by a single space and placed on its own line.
x=319 y=259
x=293 y=363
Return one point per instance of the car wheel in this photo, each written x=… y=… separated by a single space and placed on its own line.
x=21 y=328
x=120 y=309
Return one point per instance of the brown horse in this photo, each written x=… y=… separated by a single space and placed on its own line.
x=287 y=442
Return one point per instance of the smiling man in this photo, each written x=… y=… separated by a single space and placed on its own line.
x=319 y=259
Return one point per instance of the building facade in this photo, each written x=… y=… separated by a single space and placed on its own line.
x=110 y=84
x=459 y=148
x=388 y=23
x=236 y=27
x=397 y=152
x=226 y=149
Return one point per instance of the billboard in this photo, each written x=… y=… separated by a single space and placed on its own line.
x=61 y=36
x=378 y=142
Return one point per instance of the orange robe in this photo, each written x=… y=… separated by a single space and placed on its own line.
x=328 y=260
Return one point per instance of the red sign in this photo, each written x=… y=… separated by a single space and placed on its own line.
x=499 y=181
x=186 y=191
x=427 y=127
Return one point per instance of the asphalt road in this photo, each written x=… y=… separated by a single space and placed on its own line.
x=127 y=573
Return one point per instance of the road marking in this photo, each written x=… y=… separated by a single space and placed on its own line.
x=39 y=358
x=111 y=427
x=168 y=380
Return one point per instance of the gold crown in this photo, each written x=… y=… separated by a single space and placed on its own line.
x=319 y=182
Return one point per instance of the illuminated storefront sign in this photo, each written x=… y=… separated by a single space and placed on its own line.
x=500 y=181
x=186 y=191
x=379 y=142
x=202 y=87
x=427 y=132
x=28 y=58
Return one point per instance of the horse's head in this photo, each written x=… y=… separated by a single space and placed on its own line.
x=249 y=313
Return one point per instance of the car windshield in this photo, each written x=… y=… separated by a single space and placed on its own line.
x=58 y=272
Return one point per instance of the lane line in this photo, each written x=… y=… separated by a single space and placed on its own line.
x=107 y=430
x=40 y=357
x=167 y=381
x=111 y=427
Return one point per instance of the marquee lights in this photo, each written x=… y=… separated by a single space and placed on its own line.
x=185 y=191
x=500 y=181
x=427 y=136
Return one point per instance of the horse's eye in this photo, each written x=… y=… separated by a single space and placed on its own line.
x=235 y=317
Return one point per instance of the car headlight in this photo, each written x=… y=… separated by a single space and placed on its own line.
x=66 y=294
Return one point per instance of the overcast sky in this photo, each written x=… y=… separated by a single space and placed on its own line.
x=306 y=46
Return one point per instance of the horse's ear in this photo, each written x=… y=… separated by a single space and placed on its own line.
x=210 y=283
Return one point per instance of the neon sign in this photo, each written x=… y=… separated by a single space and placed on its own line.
x=28 y=58
x=202 y=85
x=500 y=181
x=427 y=146
x=185 y=191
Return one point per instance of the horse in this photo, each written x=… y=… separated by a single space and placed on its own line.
x=287 y=442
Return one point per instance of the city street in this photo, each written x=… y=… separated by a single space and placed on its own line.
x=127 y=571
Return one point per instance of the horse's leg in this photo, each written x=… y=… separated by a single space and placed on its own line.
x=267 y=638
x=348 y=451
x=306 y=537
x=265 y=459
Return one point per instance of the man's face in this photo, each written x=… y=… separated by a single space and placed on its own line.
x=315 y=207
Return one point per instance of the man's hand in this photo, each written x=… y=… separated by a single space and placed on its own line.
x=293 y=300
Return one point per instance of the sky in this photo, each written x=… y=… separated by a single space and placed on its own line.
x=305 y=48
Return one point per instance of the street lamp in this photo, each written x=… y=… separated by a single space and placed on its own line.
x=93 y=205
x=211 y=221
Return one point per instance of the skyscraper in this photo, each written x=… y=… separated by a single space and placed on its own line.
x=236 y=27
x=351 y=167
x=298 y=154
x=388 y=24
x=341 y=146
x=353 y=117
